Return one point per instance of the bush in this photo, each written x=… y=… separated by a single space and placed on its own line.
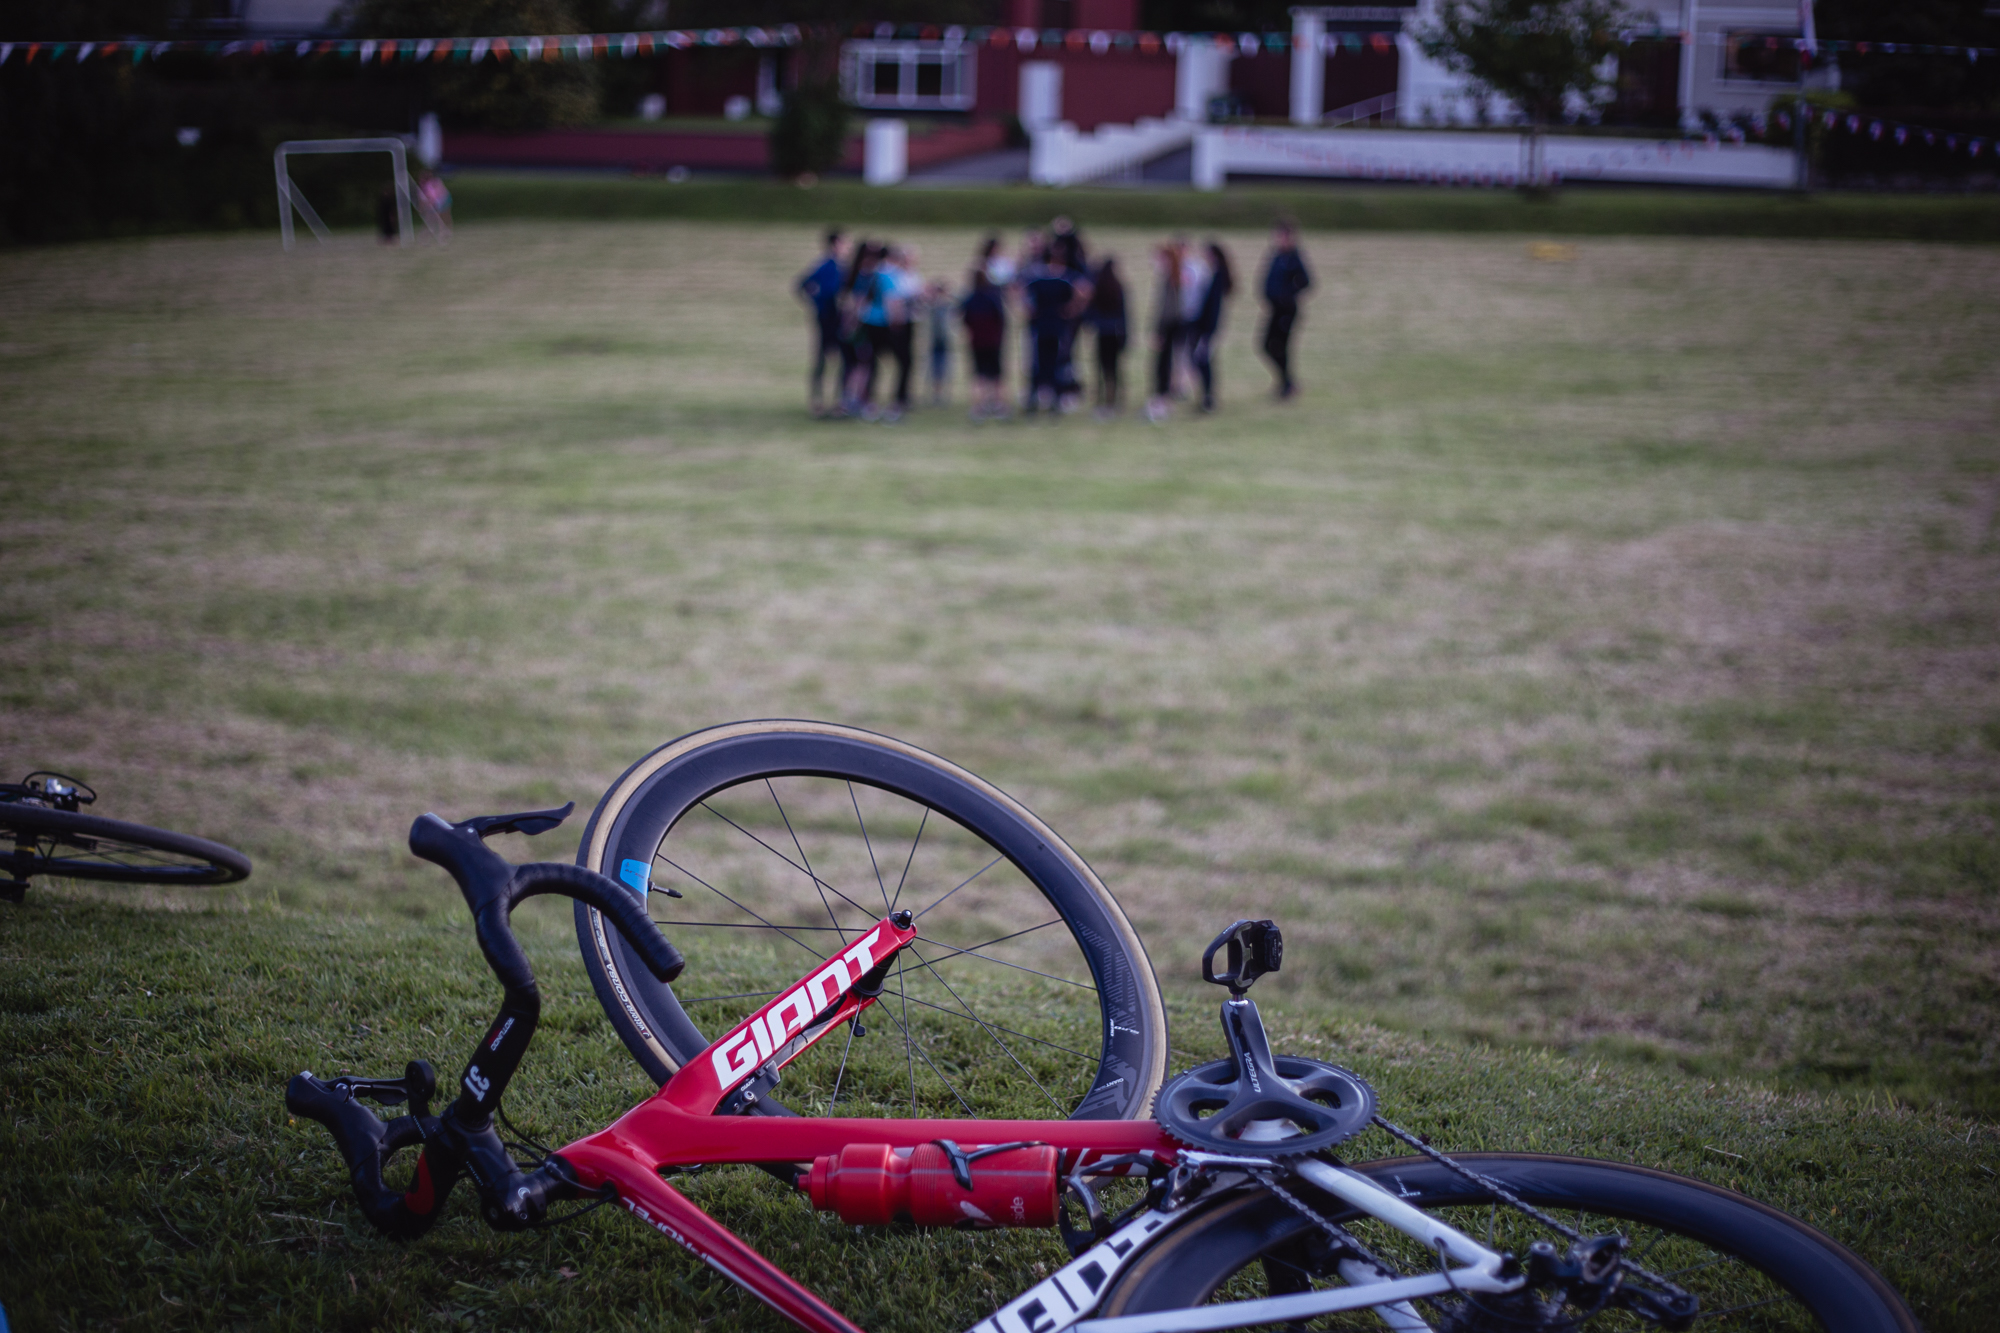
x=811 y=131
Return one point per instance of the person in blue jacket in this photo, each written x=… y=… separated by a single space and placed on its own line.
x=1285 y=280
x=820 y=287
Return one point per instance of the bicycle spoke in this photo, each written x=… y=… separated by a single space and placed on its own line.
x=970 y=1013
x=909 y=1045
x=841 y=1072
x=1676 y=1273
x=988 y=958
x=741 y=908
x=1738 y=1309
x=742 y=925
x=782 y=857
x=819 y=885
x=910 y=860
x=910 y=1048
x=962 y=883
x=1012 y=1032
x=869 y=843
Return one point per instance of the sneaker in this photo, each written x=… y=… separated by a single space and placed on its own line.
x=1156 y=411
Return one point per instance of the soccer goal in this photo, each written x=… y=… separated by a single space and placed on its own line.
x=291 y=198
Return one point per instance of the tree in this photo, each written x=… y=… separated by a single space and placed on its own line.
x=1538 y=54
x=514 y=95
x=811 y=132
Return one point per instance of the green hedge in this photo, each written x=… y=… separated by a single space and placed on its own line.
x=1579 y=211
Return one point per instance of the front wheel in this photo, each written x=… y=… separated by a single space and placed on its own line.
x=1751 y=1266
x=35 y=840
x=1027 y=994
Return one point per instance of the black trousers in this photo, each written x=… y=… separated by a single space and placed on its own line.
x=826 y=344
x=1169 y=335
x=1278 y=342
x=900 y=347
x=1046 y=372
x=1110 y=348
x=1201 y=355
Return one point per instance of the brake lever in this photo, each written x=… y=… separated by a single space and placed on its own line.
x=417 y=1086
x=529 y=822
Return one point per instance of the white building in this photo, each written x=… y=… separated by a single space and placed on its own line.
x=1733 y=58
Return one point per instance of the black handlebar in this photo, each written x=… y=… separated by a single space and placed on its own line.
x=493 y=887
x=463 y=1138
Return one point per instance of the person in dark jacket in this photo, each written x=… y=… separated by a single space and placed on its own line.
x=1206 y=326
x=1285 y=280
x=1107 y=314
x=985 y=314
x=820 y=287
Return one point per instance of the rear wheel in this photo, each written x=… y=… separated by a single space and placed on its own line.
x=1027 y=993
x=35 y=840
x=1751 y=1266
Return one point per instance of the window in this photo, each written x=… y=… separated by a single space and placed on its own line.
x=1761 y=57
x=907 y=76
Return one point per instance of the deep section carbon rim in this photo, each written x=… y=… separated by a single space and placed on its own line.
x=1027 y=993
x=1753 y=1267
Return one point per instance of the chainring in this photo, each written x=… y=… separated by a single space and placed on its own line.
x=1214 y=1108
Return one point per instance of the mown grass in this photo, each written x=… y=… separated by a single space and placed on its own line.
x=1594 y=672
x=150 y=1178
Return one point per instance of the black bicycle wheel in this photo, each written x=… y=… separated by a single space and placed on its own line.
x=39 y=841
x=1027 y=994
x=1751 y=1266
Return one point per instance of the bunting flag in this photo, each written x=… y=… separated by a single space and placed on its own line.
x=631 y=45
x=1900 y=134
x=1810 y=46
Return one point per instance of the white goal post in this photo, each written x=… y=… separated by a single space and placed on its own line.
x=290 y=197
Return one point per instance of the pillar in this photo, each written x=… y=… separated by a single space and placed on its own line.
x=885 y=152
x=1041 y=94
x=1308 y=67
x=1201 y=72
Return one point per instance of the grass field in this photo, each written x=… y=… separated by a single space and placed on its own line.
x=1595 y=671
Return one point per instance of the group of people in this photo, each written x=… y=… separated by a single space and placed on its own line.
x=870 y=301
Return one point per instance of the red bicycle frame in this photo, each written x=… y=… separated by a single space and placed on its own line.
x=678 y=1126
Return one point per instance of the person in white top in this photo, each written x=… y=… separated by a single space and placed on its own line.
x=906 y=290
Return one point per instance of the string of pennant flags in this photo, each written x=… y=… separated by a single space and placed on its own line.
x=1895 y=131
x=631 y=45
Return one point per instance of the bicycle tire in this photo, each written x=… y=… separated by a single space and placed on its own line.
x=68 y=845
x=1809 y=1275
x=1119 y=1032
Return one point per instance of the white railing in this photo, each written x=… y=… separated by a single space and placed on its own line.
x=1446 y=157
x=1383 y=106
x=1063 y=155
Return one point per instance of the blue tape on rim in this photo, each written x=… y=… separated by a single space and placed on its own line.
x=639 y=875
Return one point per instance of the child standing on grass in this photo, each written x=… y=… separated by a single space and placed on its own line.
x=1205 y=324
x=1107 y=315
x=937 y=319
x=820 y=287
x=985 y=316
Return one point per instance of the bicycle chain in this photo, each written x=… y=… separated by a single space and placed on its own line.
x=1340 y=1234
x=1514 y=1201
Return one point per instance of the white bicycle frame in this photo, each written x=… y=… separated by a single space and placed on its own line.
x=1066 y=1298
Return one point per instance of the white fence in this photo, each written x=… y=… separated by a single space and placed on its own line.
x=1445 y=157
x=1062 y=155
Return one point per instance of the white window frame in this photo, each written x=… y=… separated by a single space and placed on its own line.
x=958 y=60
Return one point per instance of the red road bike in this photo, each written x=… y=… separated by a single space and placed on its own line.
x=821 y=876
